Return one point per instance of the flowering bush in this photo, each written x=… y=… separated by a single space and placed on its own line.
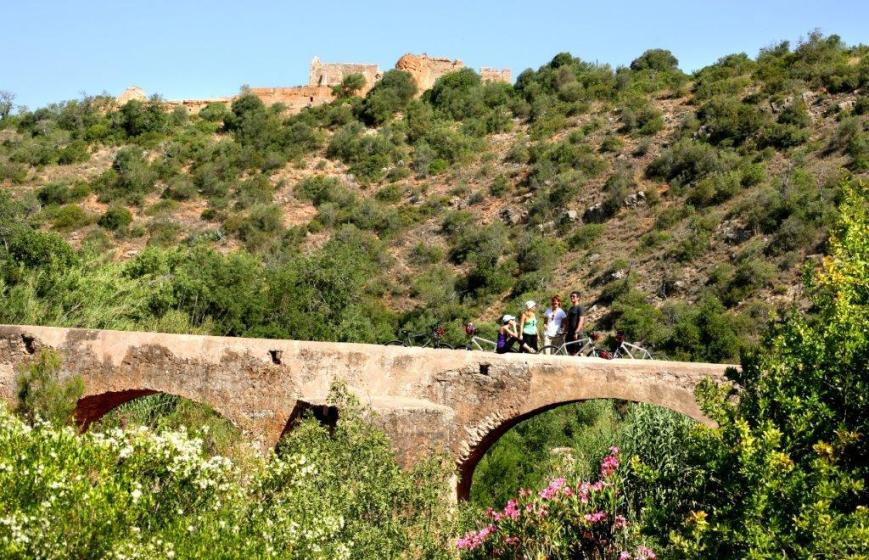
x=137 y=493
x=563 y=520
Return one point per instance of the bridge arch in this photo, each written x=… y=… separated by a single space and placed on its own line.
x=92 y=408
x=562 y=381
x=467 y=463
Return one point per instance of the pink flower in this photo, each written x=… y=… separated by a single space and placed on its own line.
x=582 y=490
x=511 y=510
x=614 y=450
x=596 y=517
x=620 y=522
x=473 y=539
x=511 y=540
x=567 y=491
x=644 y=553
x=609 y=465
x=625 y=555
x=552 y=490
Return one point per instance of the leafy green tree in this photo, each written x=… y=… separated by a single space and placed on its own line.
x=391 y=94
x=140 y=117
x=660 y=60
x=790 y=459
x=116 y=218
x=7 y=99
x=349 y=86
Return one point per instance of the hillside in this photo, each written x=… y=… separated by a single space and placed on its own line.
x=683 y=207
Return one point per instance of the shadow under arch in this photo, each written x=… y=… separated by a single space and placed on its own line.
x=92 y=408
x=325 y=414
x=468 y=464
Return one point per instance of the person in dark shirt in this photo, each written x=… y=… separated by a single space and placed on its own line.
x=575 y=322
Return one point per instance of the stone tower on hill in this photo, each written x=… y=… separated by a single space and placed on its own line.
x=332 y=74
x=426 y=69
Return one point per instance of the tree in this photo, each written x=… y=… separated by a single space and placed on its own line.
x=349 y=86
x=6 y=99
x=661 y=60
x=787 y=468
x=391 y=94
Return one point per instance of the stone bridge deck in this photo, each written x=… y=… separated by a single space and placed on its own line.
x=427 y=399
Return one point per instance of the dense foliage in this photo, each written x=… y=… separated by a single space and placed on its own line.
x=137 y=493
x=566 y=519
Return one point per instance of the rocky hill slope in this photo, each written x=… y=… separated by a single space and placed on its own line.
x=683 y=207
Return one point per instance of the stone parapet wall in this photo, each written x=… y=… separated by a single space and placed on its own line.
x=494 y=75
x=323 y=76
x=332 y=73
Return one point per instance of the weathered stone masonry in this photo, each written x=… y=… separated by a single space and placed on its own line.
x=425 y=399
x=323 y=76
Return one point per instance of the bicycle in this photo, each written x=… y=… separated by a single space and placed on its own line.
x=588 y=346
x=629 y=350
x=477 y=342
x=434 y=339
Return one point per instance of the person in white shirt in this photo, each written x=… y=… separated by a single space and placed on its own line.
x=553 y=317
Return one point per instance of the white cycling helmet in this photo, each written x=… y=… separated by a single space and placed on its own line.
x=507 y=318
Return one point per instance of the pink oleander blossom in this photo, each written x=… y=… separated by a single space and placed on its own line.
x=596 y=517
x=625 y=555
x=511 y=510
x=609 y=465
x=645 y=553
x=619 y=522
x=552 y=490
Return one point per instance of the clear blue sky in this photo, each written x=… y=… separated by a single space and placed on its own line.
x=54 y=50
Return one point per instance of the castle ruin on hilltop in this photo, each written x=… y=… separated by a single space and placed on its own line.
x=322 y=77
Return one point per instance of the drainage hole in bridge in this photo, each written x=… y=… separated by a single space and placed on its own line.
x=276 y=356
x=29 y=343
x=484 y=369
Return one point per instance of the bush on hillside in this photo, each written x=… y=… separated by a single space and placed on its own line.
x=391 y=94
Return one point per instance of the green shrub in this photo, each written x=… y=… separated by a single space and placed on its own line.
x=116 y=218
x=642 y=118
x=731 y=122
x=71 y=216
x=391 y=94
x=686 y=162
x=426 y=253
x=660 y=60
x=585 y=236
x=214 y=112
x=163 y=232
x=611 y=143
x=715 y=189
x=34 y=249
x=349 y=86
x=42 y=394
x=788 y=453
x=458 y=94
x=534 y=252
x=75 y=152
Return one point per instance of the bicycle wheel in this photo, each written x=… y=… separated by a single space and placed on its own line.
x=551 y=350
x=444 y=345
x=396 y=343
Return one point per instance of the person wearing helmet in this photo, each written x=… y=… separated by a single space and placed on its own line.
x=508 y=335
x=528 y=327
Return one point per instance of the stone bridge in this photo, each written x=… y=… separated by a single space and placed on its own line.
x=425 y=399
